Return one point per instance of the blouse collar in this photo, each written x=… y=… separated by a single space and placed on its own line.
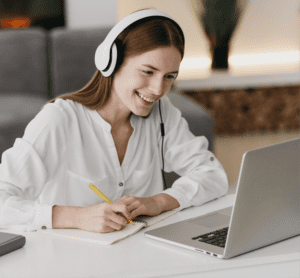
x=104 y=124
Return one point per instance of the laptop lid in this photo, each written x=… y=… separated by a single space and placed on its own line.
x=266 y=208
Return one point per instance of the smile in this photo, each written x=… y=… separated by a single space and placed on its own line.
x=144 y=98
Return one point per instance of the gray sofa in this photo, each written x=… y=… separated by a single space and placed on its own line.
x=37 y=65
x=23 y=81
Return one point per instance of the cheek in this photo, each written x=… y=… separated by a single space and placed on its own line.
x=123 y=86
x=127 y=83
x=129 y=80
x=167 y=87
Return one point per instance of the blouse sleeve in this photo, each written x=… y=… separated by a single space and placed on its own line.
x=202 y=176
x=26 y=167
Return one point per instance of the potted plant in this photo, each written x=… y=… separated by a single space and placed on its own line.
x=219 y=19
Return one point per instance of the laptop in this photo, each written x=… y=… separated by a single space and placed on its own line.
x=266 y=208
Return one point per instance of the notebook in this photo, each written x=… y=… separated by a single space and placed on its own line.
x=109 y=238
x=266 y=208
x=10 y=242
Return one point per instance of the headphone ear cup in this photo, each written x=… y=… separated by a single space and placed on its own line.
x=102 y=57
x=112 y=62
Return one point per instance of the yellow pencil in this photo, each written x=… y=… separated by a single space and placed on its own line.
x=101 y=195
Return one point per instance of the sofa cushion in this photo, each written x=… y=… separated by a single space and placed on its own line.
x=16 y=111
x=72 y=57
x=23 y=61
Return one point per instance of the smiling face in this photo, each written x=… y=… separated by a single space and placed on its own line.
x=143 y=79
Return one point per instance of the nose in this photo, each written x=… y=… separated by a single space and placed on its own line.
x=157 y=86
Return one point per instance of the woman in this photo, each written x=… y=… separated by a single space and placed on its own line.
x=109 y=134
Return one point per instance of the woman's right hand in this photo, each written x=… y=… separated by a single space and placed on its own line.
x=103 y=218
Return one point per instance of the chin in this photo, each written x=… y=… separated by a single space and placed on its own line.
x=143 y=115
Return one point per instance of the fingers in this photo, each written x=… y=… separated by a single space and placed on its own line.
x=116 y=215
x=119 y=219
x=136 y=212
x=126 y=200
x=135 y=205
x=142 y=206
x=106 y=217
x=106 y=226
x=121 y=209
x=117 y=226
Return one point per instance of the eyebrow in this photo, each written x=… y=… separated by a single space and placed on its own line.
x=151 y=67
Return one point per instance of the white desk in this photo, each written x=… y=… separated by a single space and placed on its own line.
x=137 y=256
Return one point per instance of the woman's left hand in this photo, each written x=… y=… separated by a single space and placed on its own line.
x=151 y=206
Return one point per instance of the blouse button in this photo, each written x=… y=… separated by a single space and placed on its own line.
x=212 y=159
x=44 y=227
x=121 y=184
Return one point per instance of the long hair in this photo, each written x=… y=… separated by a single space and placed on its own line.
x=142 y=36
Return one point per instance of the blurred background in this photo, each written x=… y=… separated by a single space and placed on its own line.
x=241 y=64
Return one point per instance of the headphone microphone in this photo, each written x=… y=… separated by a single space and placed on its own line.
x=107 y=53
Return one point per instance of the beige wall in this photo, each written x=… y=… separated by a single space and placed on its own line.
x=272 y=25
x=271 y=28
x=268 y=26
x=269 y=34
x=81 y=14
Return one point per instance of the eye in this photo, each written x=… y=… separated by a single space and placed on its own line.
x=173 y=77
x=147 y=72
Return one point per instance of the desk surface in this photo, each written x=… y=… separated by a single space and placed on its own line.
x=45 y=255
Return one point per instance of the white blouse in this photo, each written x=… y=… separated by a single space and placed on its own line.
x=68 y=146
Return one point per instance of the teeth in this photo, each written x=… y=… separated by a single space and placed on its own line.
x=147 y=99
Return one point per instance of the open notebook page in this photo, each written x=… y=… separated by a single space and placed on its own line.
x=110 y=238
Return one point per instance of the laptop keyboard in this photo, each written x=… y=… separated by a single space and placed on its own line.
x=217 y=238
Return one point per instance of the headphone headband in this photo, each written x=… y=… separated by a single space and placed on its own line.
x=106 y=53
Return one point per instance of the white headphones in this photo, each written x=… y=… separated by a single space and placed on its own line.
x=106 y=52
